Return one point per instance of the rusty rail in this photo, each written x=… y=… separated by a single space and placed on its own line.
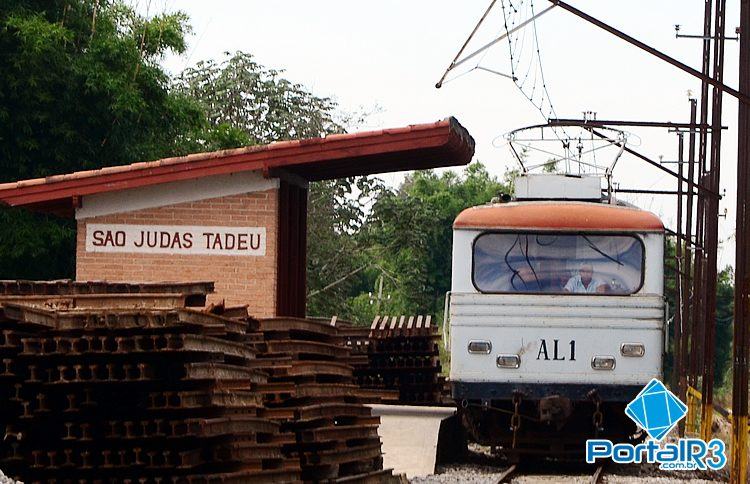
x=399 y=353
x=112 y=393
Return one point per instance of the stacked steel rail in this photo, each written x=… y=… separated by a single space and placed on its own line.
x=131 y=394
x=136 y=394
x=400 y=354
x=123 y=382
x=69 y=293
x=311 y=393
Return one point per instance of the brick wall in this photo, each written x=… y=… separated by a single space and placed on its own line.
x=248 y=280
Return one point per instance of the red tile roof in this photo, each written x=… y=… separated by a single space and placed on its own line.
x=420 y=146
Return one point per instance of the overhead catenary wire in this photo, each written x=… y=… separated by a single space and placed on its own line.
x=522 y=36
x=539 y=79
x=539 y=95
x=456 y=62
x=463 y=47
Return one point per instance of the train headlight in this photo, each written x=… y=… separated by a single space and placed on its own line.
x=632 y=349
x=480 y=347
x=508 y=361
x=603 y=363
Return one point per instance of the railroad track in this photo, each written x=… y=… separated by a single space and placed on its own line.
x=514 y=471
x=598 y=474
x=508 y=474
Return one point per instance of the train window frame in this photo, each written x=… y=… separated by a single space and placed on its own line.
x=635 y=235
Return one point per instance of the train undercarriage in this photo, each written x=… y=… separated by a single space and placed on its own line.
x=546 y=421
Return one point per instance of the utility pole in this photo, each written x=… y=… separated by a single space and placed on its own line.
x=687 y=278
x=697 y=315
x=701 y=312
x=741 y=340
x=679 y=320
x=712 y=225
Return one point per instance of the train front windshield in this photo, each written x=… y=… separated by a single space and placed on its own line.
x=557 y=263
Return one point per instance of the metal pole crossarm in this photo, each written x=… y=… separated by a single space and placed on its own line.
x=597 y=123
x=690 y=36
x=492 y=71
x=648 y=160
x=461 y=50
x=652 y=192
x=693 y=130
x=688 y=242
x=678 y=35
x=455 y=63
x=671 y=60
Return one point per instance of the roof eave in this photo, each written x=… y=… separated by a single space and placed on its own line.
x=442 y=144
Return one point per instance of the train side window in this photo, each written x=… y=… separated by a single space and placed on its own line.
x=557 y=263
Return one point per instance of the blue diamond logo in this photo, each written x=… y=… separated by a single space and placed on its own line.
x=656 y=410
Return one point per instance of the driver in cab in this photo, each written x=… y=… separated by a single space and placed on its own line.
x=585 y=283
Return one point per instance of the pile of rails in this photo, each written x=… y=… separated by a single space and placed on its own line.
x=398 y=353
x=122 y=394
x=99 y=294
x=128 y=383
x=312 y=394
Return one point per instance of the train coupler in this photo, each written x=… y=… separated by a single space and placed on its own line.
x=555 y=410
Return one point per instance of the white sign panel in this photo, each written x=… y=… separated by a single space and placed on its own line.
x=176 y=239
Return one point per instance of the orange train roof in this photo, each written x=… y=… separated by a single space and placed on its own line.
x=558 y=216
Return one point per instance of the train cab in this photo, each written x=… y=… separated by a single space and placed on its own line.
x=556 y=319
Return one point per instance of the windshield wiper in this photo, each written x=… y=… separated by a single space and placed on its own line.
x=507 y=263
x=595 y=248
x=539 y=284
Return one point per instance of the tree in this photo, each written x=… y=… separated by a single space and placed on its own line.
x=251 y=104
x=241 y=96
x=409 y=234
x=724 y=316
x=80 y=88
x=724 y=321
x=336 y=258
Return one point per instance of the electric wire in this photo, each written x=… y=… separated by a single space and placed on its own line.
x=529 y=77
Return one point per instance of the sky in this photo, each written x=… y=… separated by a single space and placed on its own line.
x=385 y=57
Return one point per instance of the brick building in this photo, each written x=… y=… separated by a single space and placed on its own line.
x=236 y=217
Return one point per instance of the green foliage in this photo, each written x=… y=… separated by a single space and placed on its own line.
x=246 y=103
x=550 y=166
x=250 y=98
x=27 y=240
x=80 y=88
x=336 y=259
x=724 y=316
x=669 y=294
x=724 y=331
x=408 y=238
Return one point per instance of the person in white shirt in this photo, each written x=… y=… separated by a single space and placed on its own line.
x=585 y=282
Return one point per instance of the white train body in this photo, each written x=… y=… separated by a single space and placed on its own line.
x=518 y=324
x=527 y=321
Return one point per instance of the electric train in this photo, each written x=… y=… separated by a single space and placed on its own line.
x=556 y=316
